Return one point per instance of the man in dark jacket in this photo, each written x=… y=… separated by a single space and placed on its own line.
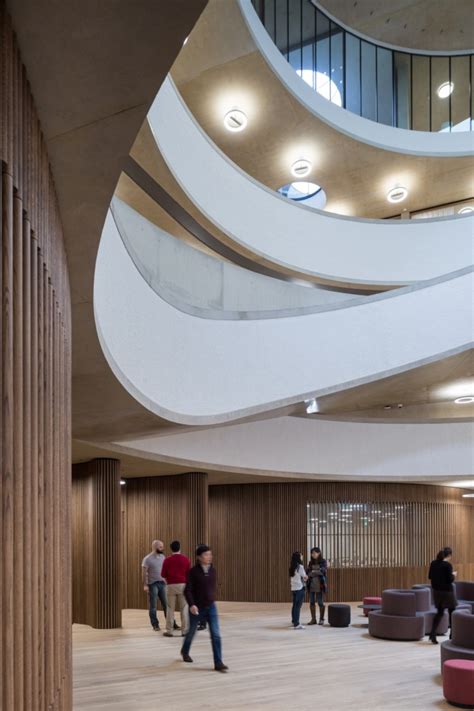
x=200 y=593
x=442 y=578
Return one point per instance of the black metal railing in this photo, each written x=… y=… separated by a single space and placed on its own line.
x=416 y=91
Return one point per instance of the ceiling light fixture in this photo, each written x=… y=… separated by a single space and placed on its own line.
x=468 y=496
x=464 y=400
x=465 y=210
x=185 y=40
x=301 y=168
x=311 y=406
x=445 y=89
x=122 y=482
x=235 y=120
x=397 y=194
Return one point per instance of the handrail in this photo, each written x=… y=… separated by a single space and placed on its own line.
x=386 y=84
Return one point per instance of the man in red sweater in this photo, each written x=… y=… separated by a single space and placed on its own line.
x=174 y=571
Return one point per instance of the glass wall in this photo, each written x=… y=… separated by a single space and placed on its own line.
x=414 y=91
x=366 y=535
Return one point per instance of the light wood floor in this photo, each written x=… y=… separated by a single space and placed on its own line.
x=271 y=667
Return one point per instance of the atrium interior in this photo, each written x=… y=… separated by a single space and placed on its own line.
x=237 y=355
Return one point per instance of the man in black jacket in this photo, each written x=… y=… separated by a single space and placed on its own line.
x=200 y=593
x=442 y=578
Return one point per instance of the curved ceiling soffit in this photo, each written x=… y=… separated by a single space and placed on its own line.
x=171 y=362
x=423 y=452
x=397 y=140
x=346 y=251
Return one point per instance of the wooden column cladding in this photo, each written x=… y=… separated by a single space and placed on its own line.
x=163 y=507
x=35 y=608
x=96 y=543
x=267 y=522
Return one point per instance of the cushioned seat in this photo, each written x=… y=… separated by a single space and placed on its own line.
x=461 y=646
x=465 y=593
x=339 y=615
x=398 y=618
x=425 y=607
x=458 y=682
x=420 y=586
x=371 y=601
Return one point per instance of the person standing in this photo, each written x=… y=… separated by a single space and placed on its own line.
x=442 y=578
x=200 y=592
x=153 y=582
x=317 y=571
x=298 y=579
x=174 y=571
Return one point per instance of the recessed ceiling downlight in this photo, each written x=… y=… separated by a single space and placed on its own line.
x=301 y=168
x=464 y=400
x=235 y=120
x=465 y=210
x=122 y=482
x=397 y=194
x=445 y=89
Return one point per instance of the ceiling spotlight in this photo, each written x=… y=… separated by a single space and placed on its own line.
x=397 y=194
x=445 y=89
x=185 y=40
x=311 y=406
x=301 y=168
x=122 y=482
x=235 y=120
x=465 y=210
x=464 y=400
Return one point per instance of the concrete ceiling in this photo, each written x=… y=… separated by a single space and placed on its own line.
x=416 y=24
x=426 y=393
x=219 y=67
x=94 y=70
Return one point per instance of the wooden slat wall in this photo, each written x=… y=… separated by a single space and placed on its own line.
x=173 y=507
x=254 y=528
x=35 y=588
x=96 y=544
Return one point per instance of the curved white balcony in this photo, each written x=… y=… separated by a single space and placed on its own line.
x=399 y=140
x=199 y=371
x=371 y=254
x=202 y=285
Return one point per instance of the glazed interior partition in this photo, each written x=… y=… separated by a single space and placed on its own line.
x=35 y=589
x=413 y=90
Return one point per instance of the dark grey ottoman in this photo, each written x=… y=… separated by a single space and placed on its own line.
x=339 y=615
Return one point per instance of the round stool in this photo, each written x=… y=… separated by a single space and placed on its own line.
x=339 y=615
x=370 y=601
x=458 y=682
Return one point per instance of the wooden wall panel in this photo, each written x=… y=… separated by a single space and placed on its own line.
x=35 y=648
x=96 y=544
x=254 y=528
x=172 y=507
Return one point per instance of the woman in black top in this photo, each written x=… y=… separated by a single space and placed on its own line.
x=442 y=578
x=316 y=572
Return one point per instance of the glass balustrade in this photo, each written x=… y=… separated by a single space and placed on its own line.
x=408 y=90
